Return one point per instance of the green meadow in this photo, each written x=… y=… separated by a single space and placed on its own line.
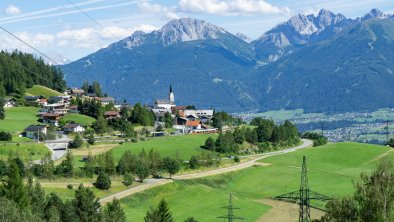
x=79 y=118
x=332 y=170
x=18 y=118
x=38 y=90
x=26 y=152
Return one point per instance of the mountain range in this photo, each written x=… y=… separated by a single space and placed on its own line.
x=321 y=63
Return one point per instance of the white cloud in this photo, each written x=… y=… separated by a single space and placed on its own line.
x=163 y=11
x=12 y=10
x=231 y=7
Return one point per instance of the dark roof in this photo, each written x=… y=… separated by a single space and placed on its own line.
x=35 y=127
x=32 y=97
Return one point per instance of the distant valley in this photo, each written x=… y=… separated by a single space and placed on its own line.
x=320 y=63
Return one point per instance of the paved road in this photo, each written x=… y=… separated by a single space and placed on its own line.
x=58 y=147
x=158 y=182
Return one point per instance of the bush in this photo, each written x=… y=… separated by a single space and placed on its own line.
x=4 y=136
x=193 y=163
x=128 y=179
x=76 y=143
x=103 y=181
x=70 y=186
x=134 y=140
x=236 y=159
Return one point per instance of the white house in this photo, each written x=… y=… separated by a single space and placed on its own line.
x=73 y=128
x=9 y=102
x=166 y=103
x=32 y=131
x=207 y=113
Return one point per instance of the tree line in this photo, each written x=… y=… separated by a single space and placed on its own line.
x=266 y=134
x=19 y=71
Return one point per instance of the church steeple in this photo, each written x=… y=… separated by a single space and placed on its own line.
x=171 y=95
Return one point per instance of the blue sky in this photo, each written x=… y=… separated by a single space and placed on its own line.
x=59 y=29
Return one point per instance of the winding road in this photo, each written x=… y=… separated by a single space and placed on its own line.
x=151 y=183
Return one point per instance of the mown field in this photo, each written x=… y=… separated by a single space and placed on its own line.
x=182 y=146
x=38 y=90
x=26 y=152
x=79 y=118
x=332 y=170
x=18 y=118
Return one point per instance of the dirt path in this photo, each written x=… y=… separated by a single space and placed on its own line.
x=158 y=182
x=380 y=156
x=284 y=212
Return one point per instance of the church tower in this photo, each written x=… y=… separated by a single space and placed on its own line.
x=171 y=96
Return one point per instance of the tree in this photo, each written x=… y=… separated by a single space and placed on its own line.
x=161 y=213
x=37 y=198
x=172 y=166
x=51 y=133
x=2 y=110
x=142 y=169
x=10 y=211
x=128 y=179
x=373 y=199
x=14 y=188
x=5 y=136
x=193 y=162
x=210 y=144
x=390 y=142
x=3 y=169
x=48 y=167
x=251 y=136
x=77 y=142
x=190 y=219
x=239 y=136
x=66 y=167
x=91 y=139
x=114 y=212
x=100 y=126
x=87 y=206
x=168 y=120
x=103 y=181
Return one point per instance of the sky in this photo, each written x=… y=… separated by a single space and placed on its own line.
x=60 y=30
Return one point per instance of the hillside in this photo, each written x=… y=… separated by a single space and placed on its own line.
x=353 y=70
x=252 y=186
x=38 y=90
x=20 y=71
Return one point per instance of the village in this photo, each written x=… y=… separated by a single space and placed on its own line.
x=184 y=119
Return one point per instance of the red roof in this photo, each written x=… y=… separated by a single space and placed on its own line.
x=74 y=107
x=193 y=123
x=179 y=107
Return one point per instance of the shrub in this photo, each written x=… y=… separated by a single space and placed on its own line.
x=4 y=136
x=70 y=186
x=128 y=179
x=236 y=159
x=103 y=181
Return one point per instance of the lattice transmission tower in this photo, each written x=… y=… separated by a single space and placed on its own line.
x=230 y=217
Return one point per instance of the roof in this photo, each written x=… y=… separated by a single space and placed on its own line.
x=35 y=127
x=105 y=99
x=163 y=101
x=111 y=113
x=51 y=115
x=32 y=97
x=72 y=125
x=179 y=107
x=74 y=107
x=193 y=123
x=77 y=91
x=9 y=99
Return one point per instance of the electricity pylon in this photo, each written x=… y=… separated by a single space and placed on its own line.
x=230 y=211
x=303 y=196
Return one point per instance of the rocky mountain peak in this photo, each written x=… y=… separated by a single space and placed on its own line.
x=188 y=29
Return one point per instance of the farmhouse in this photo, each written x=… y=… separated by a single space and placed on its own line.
x=77 y=92
x=32 y=100
x=111 y=114
x=73 y=128
x=51 y=118
x=33 y=130
x=105 y=100
x=73 y=109
x=9 y=102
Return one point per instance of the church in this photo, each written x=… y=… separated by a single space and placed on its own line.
x=165 y=105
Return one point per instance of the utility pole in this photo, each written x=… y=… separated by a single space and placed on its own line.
x=387 y=130
x=38 y=135
x=230 y=213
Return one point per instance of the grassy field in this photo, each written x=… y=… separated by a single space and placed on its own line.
x=182 y=146
x=18 y=118
x=24 y=151
x=332 y=170
x=79 y=118
x=38 y=90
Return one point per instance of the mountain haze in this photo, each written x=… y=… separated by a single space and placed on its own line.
x=335 y=62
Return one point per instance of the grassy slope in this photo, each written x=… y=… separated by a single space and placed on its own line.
x=38 y=90
x=18 y=118
x=79 y=118
x=184 y=146
x=24 y=151
x=332 y=170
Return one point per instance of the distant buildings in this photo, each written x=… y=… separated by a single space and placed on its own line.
x=111 y=114
x=73 y=128
x=9 y=102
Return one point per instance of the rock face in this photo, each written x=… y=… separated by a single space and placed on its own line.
x=211 y=67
